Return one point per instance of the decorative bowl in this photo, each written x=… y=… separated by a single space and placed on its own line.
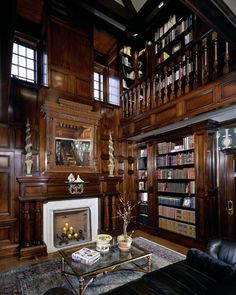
x=103 y=239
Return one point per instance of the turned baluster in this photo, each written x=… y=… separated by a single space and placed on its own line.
x=134 y=101
x=205 y=62
x=148 y=99
x=153 y=96
x=165 y=99
x=159 y=102
x=195 y=74
x=172 y=87
x=187 y=86
x=226 y=68
x=215 y=64
x=138 y=100
x=179 y=90
x=130 y=103
x=144 y=103
x=126 y=105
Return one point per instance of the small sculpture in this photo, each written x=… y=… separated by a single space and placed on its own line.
x=71 y=178
x=76 y=186
x=111 y=164
x=28 y=149
x=78 y=179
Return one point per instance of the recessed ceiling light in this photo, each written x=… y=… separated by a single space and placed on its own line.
x=160 y=4
x=135 y=34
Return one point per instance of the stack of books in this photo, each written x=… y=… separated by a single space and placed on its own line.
x=86 y=256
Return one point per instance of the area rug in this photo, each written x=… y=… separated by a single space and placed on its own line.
x=36 y=279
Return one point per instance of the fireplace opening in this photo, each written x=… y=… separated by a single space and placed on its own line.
x=71 y=226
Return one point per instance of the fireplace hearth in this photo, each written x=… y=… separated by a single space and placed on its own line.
x=70 y=222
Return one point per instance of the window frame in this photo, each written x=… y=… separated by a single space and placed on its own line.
x=26 y=45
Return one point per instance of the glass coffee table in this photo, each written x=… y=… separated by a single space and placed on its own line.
x=107 y=263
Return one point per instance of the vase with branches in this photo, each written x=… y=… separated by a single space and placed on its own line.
x=125 y=213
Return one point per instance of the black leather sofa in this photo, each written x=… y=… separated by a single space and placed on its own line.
x=212 y=272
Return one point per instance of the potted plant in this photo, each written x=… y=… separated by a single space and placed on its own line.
x=124 y=212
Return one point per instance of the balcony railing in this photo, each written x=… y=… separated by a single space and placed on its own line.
x=201 y=62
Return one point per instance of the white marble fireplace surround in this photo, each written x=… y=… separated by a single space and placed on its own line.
x=51 y=206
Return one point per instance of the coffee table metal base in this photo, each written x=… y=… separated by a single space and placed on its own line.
x=83 y=286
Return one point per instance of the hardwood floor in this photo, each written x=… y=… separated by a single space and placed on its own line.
x=13 y=262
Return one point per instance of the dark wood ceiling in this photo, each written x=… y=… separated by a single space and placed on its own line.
x=114 y=21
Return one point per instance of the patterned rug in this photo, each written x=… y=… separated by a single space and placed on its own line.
x=36 y=279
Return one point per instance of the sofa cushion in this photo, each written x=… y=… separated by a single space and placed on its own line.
x=209 y=265
x=227 y=252
x=136 y=287
x=179 y=279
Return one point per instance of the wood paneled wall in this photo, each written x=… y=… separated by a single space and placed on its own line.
x=70 y=57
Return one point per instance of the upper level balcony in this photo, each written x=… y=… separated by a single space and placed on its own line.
x=199 y=80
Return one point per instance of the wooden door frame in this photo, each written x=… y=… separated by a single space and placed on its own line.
x=227 y=223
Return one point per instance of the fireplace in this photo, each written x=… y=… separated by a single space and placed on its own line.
x=70 y=222
x=71 y=226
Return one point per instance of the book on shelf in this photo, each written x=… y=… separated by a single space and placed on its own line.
x=86 y=255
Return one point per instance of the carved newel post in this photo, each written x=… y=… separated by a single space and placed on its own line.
x=28 y=149
x=111 y=164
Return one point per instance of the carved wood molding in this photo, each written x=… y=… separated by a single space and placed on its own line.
x=66 y=120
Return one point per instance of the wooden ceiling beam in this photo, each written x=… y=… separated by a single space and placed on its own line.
x=130 y=7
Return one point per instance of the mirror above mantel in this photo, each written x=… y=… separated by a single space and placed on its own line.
x=71 y=136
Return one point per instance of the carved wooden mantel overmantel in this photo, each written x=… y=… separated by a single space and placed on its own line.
x=66 y=122
x=36 y=190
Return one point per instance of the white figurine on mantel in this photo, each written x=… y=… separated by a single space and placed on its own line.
x=111 y=164
x=71 y=178
x=78 y=179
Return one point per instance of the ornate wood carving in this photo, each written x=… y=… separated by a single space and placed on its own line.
x=66 y=118
x=36 y=190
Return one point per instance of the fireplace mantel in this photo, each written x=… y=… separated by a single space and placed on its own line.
x=35 y=190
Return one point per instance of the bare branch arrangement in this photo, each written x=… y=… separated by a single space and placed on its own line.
x=125 y=212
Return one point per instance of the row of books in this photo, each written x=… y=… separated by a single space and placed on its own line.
x=185 y=173
x=127 y=50
x=181 y=71
x=167 y=26
x=178 y=227
x=142 y=174
x=177 y=187
x=188 y=202
x=125 y=61
x=182 y=27
x=175 y=160
x=86 y=256
x=168 y=147
x=179 y=214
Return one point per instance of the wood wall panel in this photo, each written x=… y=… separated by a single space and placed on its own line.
x=197 y=102
x=168 y=114
x=5 y=235
x=19 y=138
x=59 y=80
x=142 y=123
x=70 y=50
x=83 y=88
x=4 y=136
x=4 y=193
x=228 y=89
x=6 y=185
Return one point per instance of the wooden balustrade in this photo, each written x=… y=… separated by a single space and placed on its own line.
x=202 y=62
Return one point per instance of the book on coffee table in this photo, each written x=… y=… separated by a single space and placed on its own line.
x=86 y=255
